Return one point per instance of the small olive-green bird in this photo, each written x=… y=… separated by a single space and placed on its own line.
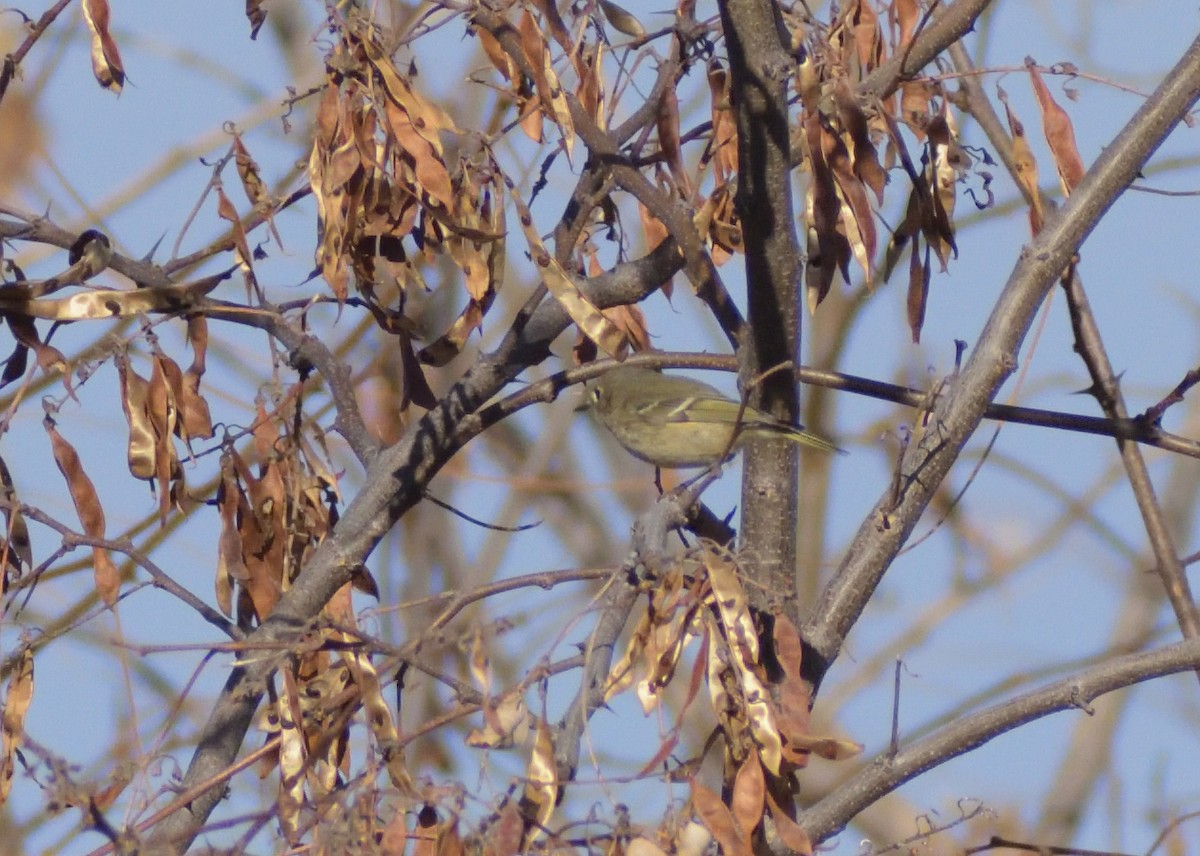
x=673 y=421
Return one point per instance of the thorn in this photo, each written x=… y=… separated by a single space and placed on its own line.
x=149 y=257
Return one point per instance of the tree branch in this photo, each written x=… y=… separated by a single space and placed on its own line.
x=958 y=414
x=883 y=775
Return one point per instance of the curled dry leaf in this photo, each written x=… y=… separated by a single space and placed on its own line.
x=140 y=450
x=247 y=170
x=163 y=409
x=1024 y=164
x=541 y=783
x=724 y=126
x=589 y=66
x=506 y=723
x=607 y=336
x=856 y=127
x=292 y=753
x=828 y=249
x=49 y=358
x=858 y=36
x=829 y=748
x=856 y=220
x=499 y=58
x=252 y=183
x=241 y=245
x=550 y=91
x=558 y=28
x=16 y=550
x=482 y=264
x=16 y=705
x=945 y=156
x=230 y=565
x=379 y=716
x=106 y=59
x=87 y=506
x=256 y=16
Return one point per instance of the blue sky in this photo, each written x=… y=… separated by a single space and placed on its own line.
x=192 y=68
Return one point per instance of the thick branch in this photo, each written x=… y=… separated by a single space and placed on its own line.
x=1106 y=389
x=760 y=66
x=883 y=776
x=992 y=361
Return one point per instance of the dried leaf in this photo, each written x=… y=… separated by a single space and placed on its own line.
x=16 y=549
x=1059 y=131
x=558 y=29
x=1024 y=165
x=944 y=157
x=908 y=15
x=379 y=716
x=256 y=15
x=428 y=118
x=292 y=752
x=607 y=336
x=49 y=358
x=854 y=210
x=507 y=723
x=830 y=748
x=12 y=729
x=498 y=56
x=918 y=289
x=134 y=393
x=554 y=101
x=790 y=833
x=864 y=157
x=450 y=843
x=667 y=123
x=505 y=834
x=231 y=567
x=828 y=249
x=247 y=170
x=715 y=815
x=431 y=173
x=792 y=713
x=106 y=59
x=541 y=782
x=749 y=794
x=621 y=20
x=240 y=245
x=590 y=91
x=87 y=506
x=163 y=409
x=724 y=126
